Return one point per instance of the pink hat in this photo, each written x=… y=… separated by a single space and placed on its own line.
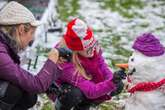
x=78 y=35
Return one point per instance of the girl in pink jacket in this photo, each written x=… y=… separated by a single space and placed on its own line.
x=87 y=79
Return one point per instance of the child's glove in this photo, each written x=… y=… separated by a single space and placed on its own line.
x=118 y=76
x=65 y=53
x=117 y=79
x=119 y=88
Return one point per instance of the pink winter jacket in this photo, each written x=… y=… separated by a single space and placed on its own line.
x=97 y=89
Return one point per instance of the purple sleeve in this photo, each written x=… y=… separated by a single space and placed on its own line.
x=105 y=68
x=93 y=91
x=15 y=74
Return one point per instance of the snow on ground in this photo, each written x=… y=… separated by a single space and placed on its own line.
x=101 y=19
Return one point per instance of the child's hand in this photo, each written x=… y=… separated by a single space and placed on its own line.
x=119 y=75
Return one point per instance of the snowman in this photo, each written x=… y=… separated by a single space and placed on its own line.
x=146 y=68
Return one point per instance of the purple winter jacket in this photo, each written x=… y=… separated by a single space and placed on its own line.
x=97 y=89
x=11 y=71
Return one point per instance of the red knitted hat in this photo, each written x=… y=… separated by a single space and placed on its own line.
x=78 y=35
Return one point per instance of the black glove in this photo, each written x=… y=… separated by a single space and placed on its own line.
x=118 y=76
x=117 y=79
x=119 y=88
x=65 y=53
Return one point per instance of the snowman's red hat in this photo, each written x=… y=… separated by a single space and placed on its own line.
x=148 y=45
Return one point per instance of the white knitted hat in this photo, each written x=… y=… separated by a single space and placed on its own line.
x=15 y=13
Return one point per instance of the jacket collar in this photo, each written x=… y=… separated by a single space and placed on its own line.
x=11 y=49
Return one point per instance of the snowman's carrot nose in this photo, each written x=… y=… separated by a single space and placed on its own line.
x=122 y=65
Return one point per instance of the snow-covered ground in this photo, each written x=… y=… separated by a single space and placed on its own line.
x=126 y=29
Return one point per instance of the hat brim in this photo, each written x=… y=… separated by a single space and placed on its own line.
x=36 y=23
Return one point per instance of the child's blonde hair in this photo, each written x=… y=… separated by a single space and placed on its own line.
x=76 y=62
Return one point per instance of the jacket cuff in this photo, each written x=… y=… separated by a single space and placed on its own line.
x=52 y=68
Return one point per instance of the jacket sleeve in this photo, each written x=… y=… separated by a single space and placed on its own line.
x=13 y=73
x=93 y=91
x=105 y=69
x=89 y=88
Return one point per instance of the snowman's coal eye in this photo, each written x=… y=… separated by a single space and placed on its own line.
x=132 y=59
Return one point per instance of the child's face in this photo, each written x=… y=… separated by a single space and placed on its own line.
x=89 y=52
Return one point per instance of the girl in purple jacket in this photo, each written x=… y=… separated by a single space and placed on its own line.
x=87 y=79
